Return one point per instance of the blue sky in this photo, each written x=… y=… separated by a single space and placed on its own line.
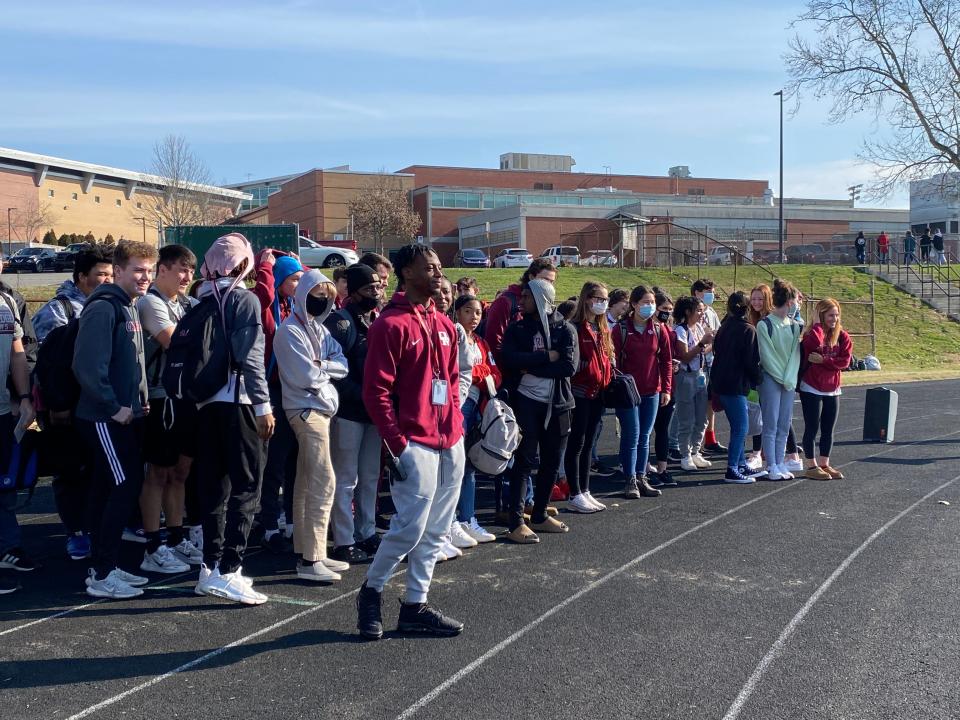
x=274 y=87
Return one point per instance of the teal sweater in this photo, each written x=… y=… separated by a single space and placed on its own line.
x=780 y=349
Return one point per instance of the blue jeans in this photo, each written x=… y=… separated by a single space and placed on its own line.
x=635 y=427
x=735 y=407
x=466 y=505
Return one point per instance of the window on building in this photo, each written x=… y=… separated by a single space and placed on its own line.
x=96 y=199
x=73 y=196
x=118 y=202
x=49 y=193
x=543 y=186
x=954 y=226
x=695 y=191
x=466 y=200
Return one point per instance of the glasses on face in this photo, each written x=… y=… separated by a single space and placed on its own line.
x=599 y=298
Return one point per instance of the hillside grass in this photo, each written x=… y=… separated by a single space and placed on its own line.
x=913 y=341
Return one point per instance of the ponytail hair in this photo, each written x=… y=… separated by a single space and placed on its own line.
x=783 y=292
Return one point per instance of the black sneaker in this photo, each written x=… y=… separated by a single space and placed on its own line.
x=674 y=454
x=655 y=480
x=601 y=470
x=276 y=543
x=421 y=618
x=715 y=448
x=666 y=479
x=349 y=554
x=369 y=617
x=17 y=559
x=8 y=585
x=370 y=545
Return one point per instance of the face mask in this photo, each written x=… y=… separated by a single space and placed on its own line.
x=663 y=316
x=316 y=306
x=599 y=308
x=645 y=312
x=365 y=304
x=708 y=298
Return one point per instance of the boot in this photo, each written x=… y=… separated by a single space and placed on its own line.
x=645 y=489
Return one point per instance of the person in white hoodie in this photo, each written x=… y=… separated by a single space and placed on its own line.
x=309 y=359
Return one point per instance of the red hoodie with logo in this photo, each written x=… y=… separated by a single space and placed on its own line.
x=408 y=347
x=647 y=355
x=824 y=376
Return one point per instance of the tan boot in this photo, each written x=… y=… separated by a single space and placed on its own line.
x=818 y=473
x=550 y=525
x=522 y=535
x=835 y=474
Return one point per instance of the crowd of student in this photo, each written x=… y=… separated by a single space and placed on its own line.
x=213 y=415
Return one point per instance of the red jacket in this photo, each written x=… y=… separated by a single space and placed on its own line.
x=882 y=242
x=499 y=316
x=266 y=294
x=595 y=370
x=407 y=347
x=485 y=367
x=824 y=376
x=647 y=355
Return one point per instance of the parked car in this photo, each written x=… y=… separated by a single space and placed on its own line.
x=767 y=257
x=512 y=257
x=720 y=255
x=315 y=255
x=33 y=260
x=562 y=255
x=806 y=254
x=471 y=258
x=67 y=256
x=599 y=258
x=840 y=256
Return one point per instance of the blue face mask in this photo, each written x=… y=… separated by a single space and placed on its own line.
x=645 y=312
x=708 y=298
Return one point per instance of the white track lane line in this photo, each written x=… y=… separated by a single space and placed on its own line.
x=590 y=587
x=778 y=646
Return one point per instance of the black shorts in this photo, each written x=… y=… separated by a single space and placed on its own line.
x=163 y=445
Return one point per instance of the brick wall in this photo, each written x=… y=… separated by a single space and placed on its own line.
x=588 y=234
x=300 y=201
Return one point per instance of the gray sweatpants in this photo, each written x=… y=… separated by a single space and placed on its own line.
x=425 y=504
x=355 y=453
x=776 y=408
x=691 y=412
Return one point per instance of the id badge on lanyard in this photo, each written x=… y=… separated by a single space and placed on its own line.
x=439 y=388
x=439 y=392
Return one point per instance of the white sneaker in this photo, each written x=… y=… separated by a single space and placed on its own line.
x=112 y=586
x=187 y=552
x=163 y=561
x=754 y=461
x=793 y=466
x=785 y=473
x=203 y=582
x=318 y=572
x=701 y=462
x=774 y=473
x=233 y=586
x=459 y=538
x=288 y=531
x=448 y=551
x=593 y=501
x=580 y=504
x=196 y=536
x=478 y=533
x=336 y=565
x=651 y=469
x=687 y=464
x=129 y=578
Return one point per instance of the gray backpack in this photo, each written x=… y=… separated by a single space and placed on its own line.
x=497 y=436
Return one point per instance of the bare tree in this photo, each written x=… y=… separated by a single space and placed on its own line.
x=382 y=213
x=182 y=199
x=31 y=219
x=896 y=59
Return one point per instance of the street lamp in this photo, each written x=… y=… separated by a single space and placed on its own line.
x=780 y=224
x=143 y=221
x=9 y=233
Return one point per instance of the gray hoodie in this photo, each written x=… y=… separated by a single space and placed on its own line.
x=108 y=356
x=308 y=357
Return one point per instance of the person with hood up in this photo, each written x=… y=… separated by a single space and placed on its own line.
x=540 y=354
x=277 y=276
x=411 y=391
x=938 y=247
x=860 y=245
x=308 y=359
x=925 y=243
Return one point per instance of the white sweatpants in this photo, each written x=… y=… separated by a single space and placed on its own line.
x=355 y=454
x=425 y=503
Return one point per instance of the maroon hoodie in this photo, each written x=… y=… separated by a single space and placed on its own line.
x=407 y=347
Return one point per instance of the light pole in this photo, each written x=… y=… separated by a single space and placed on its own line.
x=143 y=221
x=780 y=224
x=9 y=233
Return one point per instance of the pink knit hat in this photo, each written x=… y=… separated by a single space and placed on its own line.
x=225 y=255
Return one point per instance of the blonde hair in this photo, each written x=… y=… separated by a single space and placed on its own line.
x=823 y=307
x=580 y=313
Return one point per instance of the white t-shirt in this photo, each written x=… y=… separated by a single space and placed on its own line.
x=10 y=329
x=691 y=336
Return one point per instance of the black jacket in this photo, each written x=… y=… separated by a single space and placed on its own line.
x=349 y=328
x=524 y=350
x=736 y=358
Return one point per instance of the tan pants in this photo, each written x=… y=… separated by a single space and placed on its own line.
x=313 y=490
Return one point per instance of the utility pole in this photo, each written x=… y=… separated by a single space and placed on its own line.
x=780 y=224
x=9 y=233
x=854 y=191
x=143 y=221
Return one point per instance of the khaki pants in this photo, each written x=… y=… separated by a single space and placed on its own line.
x=313 y=490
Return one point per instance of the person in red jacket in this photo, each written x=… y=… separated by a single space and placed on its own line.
x=592 y=376
x=642 y=349
x=883 y=246
x=825 y=352
x=411 y=391
x=507 y=307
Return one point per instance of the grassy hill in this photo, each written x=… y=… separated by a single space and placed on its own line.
x=913 y=341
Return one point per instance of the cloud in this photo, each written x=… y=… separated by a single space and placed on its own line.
x=830 y=180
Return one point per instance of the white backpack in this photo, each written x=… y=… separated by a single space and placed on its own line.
x=499 y=436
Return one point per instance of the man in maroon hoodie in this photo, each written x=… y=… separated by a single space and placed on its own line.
x=507 y=308
x=411 y=391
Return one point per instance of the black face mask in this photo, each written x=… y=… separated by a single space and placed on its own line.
x=316 y=306
x=663 y=316
x=365 y=304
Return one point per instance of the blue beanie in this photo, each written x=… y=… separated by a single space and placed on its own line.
x=284 y=268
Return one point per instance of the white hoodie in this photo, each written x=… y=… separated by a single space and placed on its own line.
x=308 y=357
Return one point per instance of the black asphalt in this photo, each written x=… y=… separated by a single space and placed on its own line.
x=626 y=616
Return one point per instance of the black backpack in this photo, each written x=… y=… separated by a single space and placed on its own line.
x=59 y=389
x=198 y=357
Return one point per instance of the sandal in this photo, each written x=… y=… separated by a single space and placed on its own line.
x=550 y=525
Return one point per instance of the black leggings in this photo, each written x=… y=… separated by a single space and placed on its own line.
x=819 y=410
x=660 y=426
x=583 y=432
